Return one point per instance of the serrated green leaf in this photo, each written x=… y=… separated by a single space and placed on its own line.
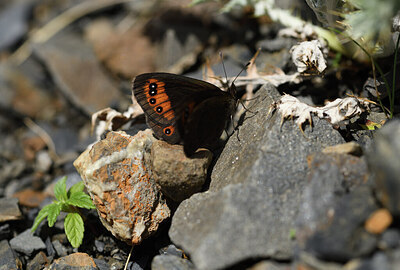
x=81 y=199
x=40 y=217
x=60 y=189
x=53 y=212
x=80 y=186
x=74 y=229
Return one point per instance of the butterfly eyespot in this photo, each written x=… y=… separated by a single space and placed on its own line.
x=152 y=101
x=153 y=89
x=168 y=130
x=159 y=109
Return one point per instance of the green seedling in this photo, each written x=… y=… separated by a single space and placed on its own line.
x=67 y=201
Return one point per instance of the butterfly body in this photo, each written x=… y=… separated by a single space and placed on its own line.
x=184 y=110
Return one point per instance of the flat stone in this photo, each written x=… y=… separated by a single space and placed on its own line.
x=27 y=243
x=30 y=198
x=75 y=261
x=124 y=52
x=78 y=74
x=178 y=176
x=9 y=209
x=8 y=259
x=167 y=262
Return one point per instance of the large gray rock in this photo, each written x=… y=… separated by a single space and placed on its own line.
x=384 y=160
x=255 y=191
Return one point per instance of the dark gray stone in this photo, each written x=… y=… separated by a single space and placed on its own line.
x=171 y=262
x=8 y=260
x=171 y=250
x=331 y=177
x=102 y=264
x=49 y=247
x=99 y=245
x=59 y=248
x=255 y=192
x=341 y=235
x=14 y=22
x=379 y=261
x=5 y=231
x=38 y=262
x=268 y=154
x=390 y=239
x=27 y=243
x=384 y=160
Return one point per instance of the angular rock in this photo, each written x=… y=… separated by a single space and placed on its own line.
x=167 y=262
x=341 y=236
x=40 y=261
x=8 y=259
x=127 y=199
x=27 y=243
x=272 y=155
x=256 y=188
x=78 y=74
x=75 y=261
x=9 y=209
x=384 y=162
x=178 y=176
x=59 y=248
x=335 y=204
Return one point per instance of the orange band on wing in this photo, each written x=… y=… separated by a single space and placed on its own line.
x=158 y=99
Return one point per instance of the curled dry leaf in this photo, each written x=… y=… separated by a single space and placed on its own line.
x=308 y=56
x=111 y=120
x=336 y=112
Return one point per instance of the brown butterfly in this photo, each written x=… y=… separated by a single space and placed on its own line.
x=180 y=109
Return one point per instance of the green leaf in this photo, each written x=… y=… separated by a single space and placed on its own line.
x=80 y=186
x=53 y=212
x=60 y=190
x=40 y=217
x=74 y=229
x=81 y=199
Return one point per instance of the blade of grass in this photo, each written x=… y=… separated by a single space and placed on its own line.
x=394 y=72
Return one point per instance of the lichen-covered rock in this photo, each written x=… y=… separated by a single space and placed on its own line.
x=115 y=173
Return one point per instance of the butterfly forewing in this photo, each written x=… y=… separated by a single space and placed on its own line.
x=175 y=105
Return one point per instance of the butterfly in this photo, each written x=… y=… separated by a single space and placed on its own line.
x=184 y=110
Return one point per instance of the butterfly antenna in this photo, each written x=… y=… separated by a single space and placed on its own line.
x=223 y=66
x=237 y=76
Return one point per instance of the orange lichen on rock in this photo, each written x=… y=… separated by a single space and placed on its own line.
x=128 y=201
